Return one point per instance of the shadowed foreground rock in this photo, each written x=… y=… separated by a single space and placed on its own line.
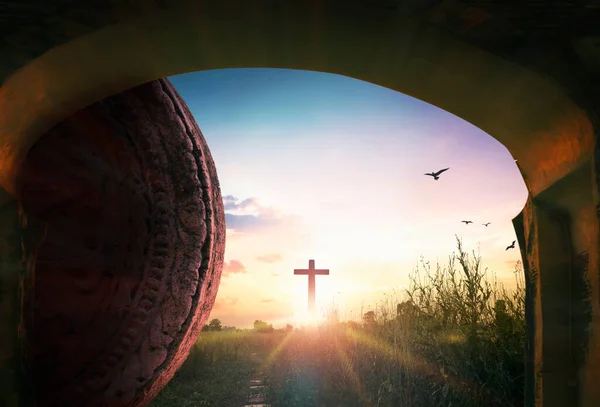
x=132 y=258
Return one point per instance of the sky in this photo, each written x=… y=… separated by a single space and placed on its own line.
x=320 y=166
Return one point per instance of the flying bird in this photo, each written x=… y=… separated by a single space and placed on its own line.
x=486 y=224
x=512 y=246
x=436 y=175
x=466 y=222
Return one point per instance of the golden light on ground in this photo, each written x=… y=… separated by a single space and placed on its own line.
x=350 y=371
x=277 y=350
x=405 y=358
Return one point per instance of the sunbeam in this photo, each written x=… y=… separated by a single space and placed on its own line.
x=405 y=359
x=277 y=350
x=349 y=371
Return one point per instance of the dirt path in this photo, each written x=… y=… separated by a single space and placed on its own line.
x=257 y=387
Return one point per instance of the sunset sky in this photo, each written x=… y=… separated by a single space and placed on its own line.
x=326 y=167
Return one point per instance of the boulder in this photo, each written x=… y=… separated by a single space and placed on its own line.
x=131 y=261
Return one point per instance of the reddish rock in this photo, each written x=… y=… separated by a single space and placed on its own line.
x=132 y=259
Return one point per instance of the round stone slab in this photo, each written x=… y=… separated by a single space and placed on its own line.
x=131 y=262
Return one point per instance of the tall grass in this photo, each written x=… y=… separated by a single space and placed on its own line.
x=456 y=339
x=215 y=348
x=217 y=370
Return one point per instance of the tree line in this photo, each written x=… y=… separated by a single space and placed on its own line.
x=260 y=326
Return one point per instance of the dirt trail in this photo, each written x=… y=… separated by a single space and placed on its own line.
x=257 y=388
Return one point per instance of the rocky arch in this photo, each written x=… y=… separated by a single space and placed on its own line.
x=549 y=134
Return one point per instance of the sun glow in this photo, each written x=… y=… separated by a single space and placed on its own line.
x=303 y=318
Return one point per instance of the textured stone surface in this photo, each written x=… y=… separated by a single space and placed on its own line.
x=533 y=33
x=19 y=240
x=131 y=262
x=556 y=236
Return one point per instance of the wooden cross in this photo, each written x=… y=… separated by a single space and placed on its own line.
x=311 y=272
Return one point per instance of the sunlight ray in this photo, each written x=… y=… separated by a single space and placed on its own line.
x=277 y=350
x=350 y=371
x=386 y=349
x=408 y=360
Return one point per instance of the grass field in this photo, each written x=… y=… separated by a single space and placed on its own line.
x=455 y=338
x=217 y=370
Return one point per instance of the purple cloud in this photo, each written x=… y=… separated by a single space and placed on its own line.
x=234 y=267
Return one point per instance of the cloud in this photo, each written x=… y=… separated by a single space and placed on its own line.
x=267 y=300
x=234 y=267
x=248 y=214
x=269 y=258
x=232 y=203
x=248 y=222
x=231 y=301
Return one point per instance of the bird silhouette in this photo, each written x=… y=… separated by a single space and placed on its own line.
x=486 y=224
x=436 y=175
x=512 y=246
x=466 y=222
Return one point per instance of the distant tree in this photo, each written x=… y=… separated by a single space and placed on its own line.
x=289 y=328
x=406 y=308
x=215 y=325
x=369 y=318
x=262 y=326
x=229 y=328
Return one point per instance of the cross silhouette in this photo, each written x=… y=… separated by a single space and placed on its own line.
x=311 y=272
